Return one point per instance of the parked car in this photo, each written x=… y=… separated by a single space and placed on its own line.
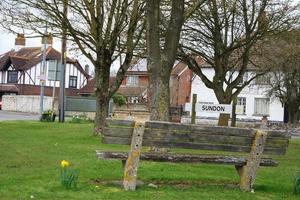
x=0 y=105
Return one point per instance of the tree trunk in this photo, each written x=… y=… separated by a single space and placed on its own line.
x=102 y=92
x=223 y=119
x=159 y=96
x=293 y=115
x=161 y=60
x=233 y=115
x=102 y=104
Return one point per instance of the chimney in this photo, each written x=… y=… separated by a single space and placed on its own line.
x=19 y=41
x=87 y=69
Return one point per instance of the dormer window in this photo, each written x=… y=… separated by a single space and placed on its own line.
x=12 y=76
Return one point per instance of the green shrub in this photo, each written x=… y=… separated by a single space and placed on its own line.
x=48 y=116
x=119 y=99
x=297 y=184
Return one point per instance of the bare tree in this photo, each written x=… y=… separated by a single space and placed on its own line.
x=285 y=82
x=226 y=35
x=102 y=30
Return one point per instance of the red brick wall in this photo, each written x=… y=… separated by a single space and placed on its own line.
x=35 y=90
x=180 y=88
x=143 y=80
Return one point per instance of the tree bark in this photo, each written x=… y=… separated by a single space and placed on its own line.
x=102 y=91
x=161 y=60
x=223 y=98
x=159 y=96
x=233 y=114
x=223 y=119
x=101 y=113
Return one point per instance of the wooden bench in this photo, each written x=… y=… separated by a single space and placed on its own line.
x=174 y=135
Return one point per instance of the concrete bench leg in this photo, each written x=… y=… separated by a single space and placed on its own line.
x=247 y=172
x=132 y=162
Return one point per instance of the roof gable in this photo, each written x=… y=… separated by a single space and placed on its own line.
x=27 y=57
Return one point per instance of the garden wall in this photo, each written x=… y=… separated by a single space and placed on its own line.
x=25 y=103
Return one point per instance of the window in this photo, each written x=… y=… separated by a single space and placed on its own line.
x=73 y=82
x=53 y=70
x=242 y=102
x=133 y=99
x=12 y=76
x=132 y=80
x=261 y=106
x=263 y=80
x=244 y=79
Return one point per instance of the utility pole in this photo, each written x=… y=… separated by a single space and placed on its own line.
x=43 y=74
x=63 y=64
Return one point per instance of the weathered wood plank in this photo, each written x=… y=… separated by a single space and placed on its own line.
x=278 y=133
x=198 y=128
x=125 y=132
x=248 y=172
x=188 y=158
x=174 y=135
x=188 y=128
x=191 y=145
x=118 y=123
x=132 y=162
x=115 y=140
x=274 y=143
x=196 y=137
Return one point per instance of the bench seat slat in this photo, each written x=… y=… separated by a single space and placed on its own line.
x=174 y=135
x=189 y=145
x=189 y=158
x=193 y=137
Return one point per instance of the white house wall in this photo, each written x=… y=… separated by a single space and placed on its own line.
x=1 y=75
x=35 y=71
x=206 y=95
x=71 y=70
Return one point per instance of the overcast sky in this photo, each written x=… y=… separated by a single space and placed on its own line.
x=7 y=43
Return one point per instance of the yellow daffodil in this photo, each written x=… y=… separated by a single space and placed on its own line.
x=64 y=163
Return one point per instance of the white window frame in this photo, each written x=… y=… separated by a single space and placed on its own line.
x=73 y=81
x=53 y=70
x=244 y=79
x=132 y=81
x=263 y=108
x=243 y=102
x=9 y=73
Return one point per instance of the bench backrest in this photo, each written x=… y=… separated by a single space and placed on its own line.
x=175 y=135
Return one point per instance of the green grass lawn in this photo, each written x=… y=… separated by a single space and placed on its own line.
x=30 y=154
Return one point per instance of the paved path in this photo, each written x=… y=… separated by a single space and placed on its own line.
x=7 y=115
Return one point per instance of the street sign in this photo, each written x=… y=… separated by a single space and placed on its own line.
x=210 y=108
x=41 y=77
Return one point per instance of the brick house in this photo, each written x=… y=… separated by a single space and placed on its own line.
x=135 y=84
x=180 y=84
x=20 y=71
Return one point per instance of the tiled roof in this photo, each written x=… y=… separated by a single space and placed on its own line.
x=27 y=57
x=131 y=91
x=139 y=66
x=178 y=68
x=8 y=88
x=89 y=88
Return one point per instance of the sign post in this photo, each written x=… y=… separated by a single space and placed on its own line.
x=210 y=108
